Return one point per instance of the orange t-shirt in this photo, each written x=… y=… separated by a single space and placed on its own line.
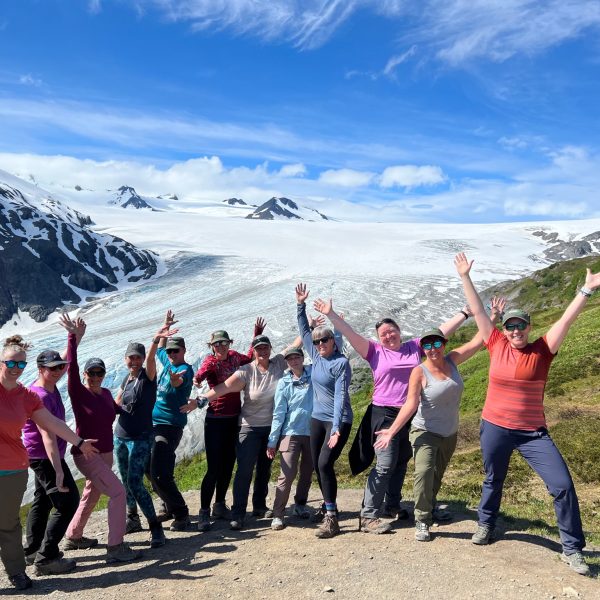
x=515 y=395
x=16 y=406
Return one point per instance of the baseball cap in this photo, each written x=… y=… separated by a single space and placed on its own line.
x=437 y=333
x=261 y=340
x=175 y=343
x=94 y=362
x=50 y=358
x=219 y=336
x=135 y=349
x=293 y=350
x=516 y=314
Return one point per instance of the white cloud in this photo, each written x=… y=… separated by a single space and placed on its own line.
x=390 y=68
x=29 y=80
x=410 y=176
x=346 y=178
x=94 y=6
x=512 y=143
x=295 y=170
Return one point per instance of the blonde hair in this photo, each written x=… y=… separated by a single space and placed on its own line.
x=15 y=343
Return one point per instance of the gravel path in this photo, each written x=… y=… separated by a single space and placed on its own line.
x=259 y=563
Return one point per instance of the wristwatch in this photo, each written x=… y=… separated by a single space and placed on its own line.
x=201 y=401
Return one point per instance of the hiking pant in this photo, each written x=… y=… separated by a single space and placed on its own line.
x=11 y=546
x=46 y=530
x=293 y=449
x=538 y=449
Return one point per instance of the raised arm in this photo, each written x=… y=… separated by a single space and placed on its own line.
x=408 y=409
x=463 y=268
x=303 y=324
x=558 y=331
x=357 y=341
x=75 y=330
x=452 y=324
x=162 y=334
x=231 y=385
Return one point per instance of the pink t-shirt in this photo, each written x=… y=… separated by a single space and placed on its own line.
x=391 y=371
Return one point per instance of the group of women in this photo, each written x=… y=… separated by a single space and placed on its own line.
x=302 y=411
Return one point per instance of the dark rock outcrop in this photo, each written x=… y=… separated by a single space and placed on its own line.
x=234 y=202
x=285 y=208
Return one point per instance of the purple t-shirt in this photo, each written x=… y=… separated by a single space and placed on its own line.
x=32 y=438
x=391 y=371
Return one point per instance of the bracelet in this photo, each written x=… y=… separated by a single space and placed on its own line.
x=81 y=442
x=586 y=292
x=466 y=314
x=201 y=401
x=156 y=340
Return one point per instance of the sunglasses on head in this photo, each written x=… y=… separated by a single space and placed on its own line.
x=521 y=326
x=322 y=340
x=56 y=368
x=173 y=350
x=429 y=345
x=221 y=343
x=95 y=373
x=11 y=364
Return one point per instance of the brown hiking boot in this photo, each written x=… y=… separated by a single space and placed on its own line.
x=328 y=528
x=375 y=526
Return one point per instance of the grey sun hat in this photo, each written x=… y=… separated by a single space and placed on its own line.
x=135 y=349
x=516 y=314
x=219 y=336
x=261 y=340
x=175 y=343
x=437 y=333
x=94 y=362
x=50 y=358
x=293 y=351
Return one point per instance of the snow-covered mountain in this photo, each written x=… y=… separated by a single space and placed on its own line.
x=127 y=197
x=235 y=202
x=50 y=256
x=284 y=208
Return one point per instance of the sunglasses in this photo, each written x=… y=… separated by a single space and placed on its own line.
x=56 y=368
x=322 y=340
x=521 y=326
x=221 y=343
x=173 y=350
x=11 y=364
x=96 y=373
x=429 y=345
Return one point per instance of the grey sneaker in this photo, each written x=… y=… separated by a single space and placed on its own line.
x=121 y=553
x=422 y=532
x=82 y=543
x=54 y=566
x=20 y=581
x=301 y=510
x=220 y=510
x=328 y=528
x=204 y=520
x=277 y=524
x=374 y=526
x=576 y=562
x=484 y=535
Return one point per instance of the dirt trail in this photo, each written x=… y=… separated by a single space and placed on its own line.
x=293 y=563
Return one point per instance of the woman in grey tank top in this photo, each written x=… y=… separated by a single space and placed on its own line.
x=434 y=393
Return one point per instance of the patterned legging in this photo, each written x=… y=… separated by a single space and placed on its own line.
x=132 y=457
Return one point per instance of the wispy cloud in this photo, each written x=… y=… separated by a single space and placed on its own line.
x=410 y=176
x=346 y=178
x=295 y=170
x=29 y=79
x=389 y=70
x=94 y=6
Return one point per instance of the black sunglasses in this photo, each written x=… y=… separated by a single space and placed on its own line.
x=96 y=373
x=56 y=368
x=521 y=326
x=221 y=343
x=322 y=340
x=173 y=350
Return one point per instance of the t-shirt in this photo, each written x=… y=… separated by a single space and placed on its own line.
x=137 y=402
x=259 y=391
x=32 y=438
x=515 y=395
x=169 y=399
x=391 y=371
x=16 y=406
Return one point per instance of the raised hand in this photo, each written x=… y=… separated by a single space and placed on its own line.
x=497 y=305
x=170 y=318
x=467 y=309
x=65 y=321
x=592 y=280
x=80 y=327
x=259 y=326
x=322 y=306
x=301 y=293
x=462 y=264
x=165 y=332
x=314 y=322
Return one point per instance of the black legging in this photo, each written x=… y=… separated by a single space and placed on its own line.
x=324 y=457
x=220 y=437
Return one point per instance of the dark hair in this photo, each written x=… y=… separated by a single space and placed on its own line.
x=386 y=321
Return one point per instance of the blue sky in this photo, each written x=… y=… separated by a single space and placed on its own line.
x=437 y=110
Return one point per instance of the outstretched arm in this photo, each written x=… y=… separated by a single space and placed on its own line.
x=463 y=268
x=558 y=331
x=451 y=325
x=358 y=342
x=231 y=385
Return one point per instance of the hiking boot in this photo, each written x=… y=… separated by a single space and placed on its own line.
x=121 y=553
x=163 y=516
x=576 y=562
x=394 y=512
x=30 y=558
x=328 y=528
x=374 y=526
x=422 y=532
x=181 y=524
x=236 y=523
x=484 y=535
x=301 y=511
x=82 y=543
x=54 y=566
x=220 y=510
x=20 y=581
x=133 y=523
x=441 y=515
x=157 y=535
x=277 y=524
x=204 y=520
x=319 y=515
x=262 y=513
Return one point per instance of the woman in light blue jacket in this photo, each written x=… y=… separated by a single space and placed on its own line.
x=290 y=432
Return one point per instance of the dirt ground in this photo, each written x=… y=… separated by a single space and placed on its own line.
x=259 y=563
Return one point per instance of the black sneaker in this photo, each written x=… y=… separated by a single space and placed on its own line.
x=204 y=520
x=121 y=553
x=133 y=524
x=236 y=523
x=157 y=535
x=262 y=513
x=181 y=524
x=164 y=516
x=54 y=566
x=20 y=581
x=220 y=510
